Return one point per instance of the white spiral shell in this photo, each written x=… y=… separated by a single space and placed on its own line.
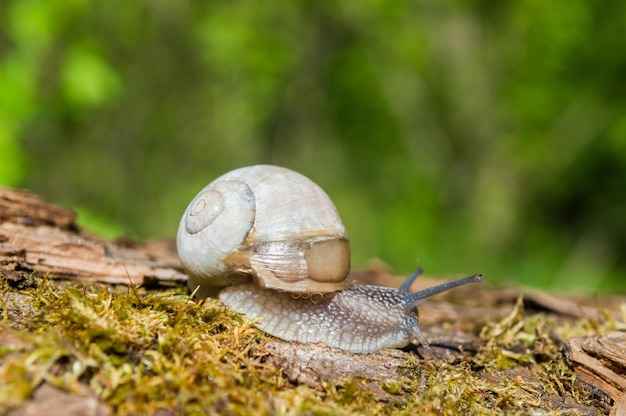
x=268 y=223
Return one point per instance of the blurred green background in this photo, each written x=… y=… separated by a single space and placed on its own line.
x=463 y=136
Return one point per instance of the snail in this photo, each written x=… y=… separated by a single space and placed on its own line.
x=271 y=244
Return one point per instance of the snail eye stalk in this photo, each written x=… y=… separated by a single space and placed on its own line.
x=411 y=300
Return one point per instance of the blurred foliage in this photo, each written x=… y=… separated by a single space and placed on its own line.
x=459 y=135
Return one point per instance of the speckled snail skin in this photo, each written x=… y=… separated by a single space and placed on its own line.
x=274 y=242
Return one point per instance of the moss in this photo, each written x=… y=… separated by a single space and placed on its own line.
x=146 y=351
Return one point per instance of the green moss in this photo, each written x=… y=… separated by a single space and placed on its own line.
x=141 y=351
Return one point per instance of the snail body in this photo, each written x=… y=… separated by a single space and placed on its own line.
x=273 y=243
x=360 y=319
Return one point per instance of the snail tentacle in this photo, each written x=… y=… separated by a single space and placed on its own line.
x=411 y=300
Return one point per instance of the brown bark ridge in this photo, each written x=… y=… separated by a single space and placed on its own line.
x=601 y=361
x=37 y=236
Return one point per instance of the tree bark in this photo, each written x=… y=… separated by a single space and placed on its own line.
x=37 y=236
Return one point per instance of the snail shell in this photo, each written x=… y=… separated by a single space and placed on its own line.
x=267 y=223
